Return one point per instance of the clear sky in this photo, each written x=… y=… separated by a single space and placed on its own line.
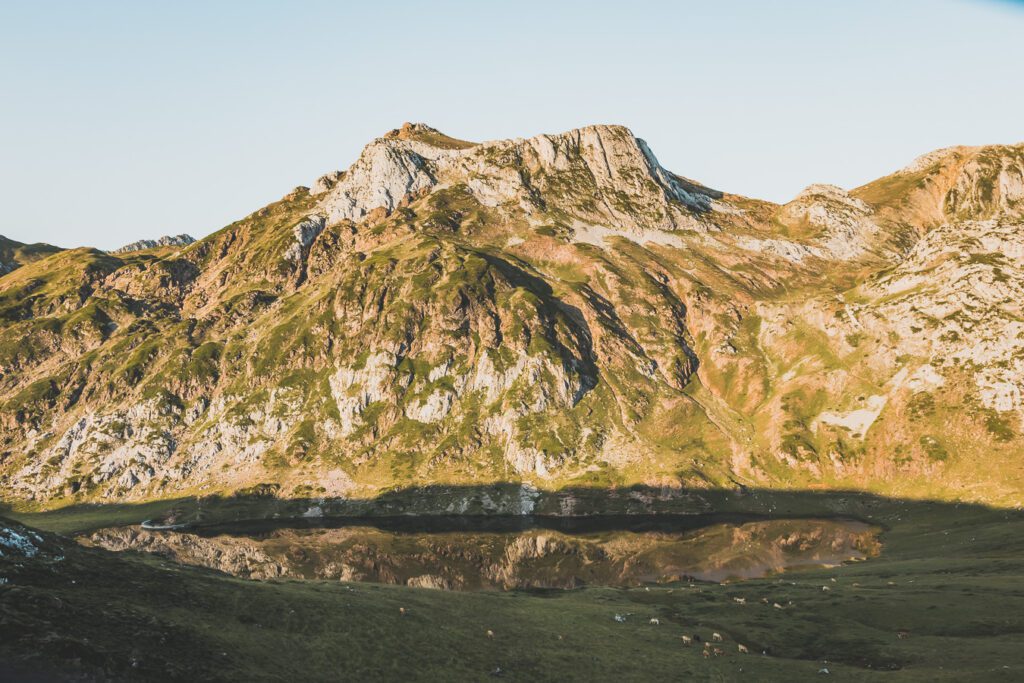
x=123 y=120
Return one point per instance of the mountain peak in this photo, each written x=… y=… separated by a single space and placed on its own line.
x=422 y=133
x=596 y=174
x=534 y=306
x=182 y=240
x=956 y=183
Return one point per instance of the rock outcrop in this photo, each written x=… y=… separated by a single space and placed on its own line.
x=165 y=241
x=598 y=173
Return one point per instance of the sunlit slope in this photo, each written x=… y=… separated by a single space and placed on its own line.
x=558 y=311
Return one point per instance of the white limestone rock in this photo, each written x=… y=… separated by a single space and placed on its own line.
x=844 y=222
x=165 y=241
x=629 y=188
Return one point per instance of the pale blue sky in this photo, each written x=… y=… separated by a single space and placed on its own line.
x=123 y=120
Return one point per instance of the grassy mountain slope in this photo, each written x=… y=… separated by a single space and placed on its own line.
x=559 y=311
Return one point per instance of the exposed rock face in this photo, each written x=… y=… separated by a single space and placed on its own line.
x=165 y=241
x=843 y=222
x=964 y=284
x=599 y=173
x=556 y=311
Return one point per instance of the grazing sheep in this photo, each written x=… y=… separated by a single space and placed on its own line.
x=740 y=601
x=687 y=640
x=716 y=636
x=706 y=653
x=777 y=605
x=903 y=634
x=401 y=611
x=825 y=589
x=742 y=648
x=619 y=618
x=718 y=652
x=490 y=634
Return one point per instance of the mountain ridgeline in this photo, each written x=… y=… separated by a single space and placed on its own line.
x=559 y=311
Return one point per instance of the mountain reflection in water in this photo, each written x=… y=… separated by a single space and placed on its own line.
x=508 y=553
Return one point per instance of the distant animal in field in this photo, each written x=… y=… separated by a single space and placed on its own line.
x=718 y=652
x=687 y=640
x=740 y=601
x=401 y=610
x=490 y=634
x=903 y=634
x=655 y=621
x=825 y=589
x=742 y=648
x=777 y=605
x=716 y=636
x=706 y=653
x=619 y=618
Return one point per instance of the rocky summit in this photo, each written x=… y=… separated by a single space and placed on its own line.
x=165 y=241
x=557 y=312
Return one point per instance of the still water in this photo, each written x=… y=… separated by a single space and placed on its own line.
x=505 y=553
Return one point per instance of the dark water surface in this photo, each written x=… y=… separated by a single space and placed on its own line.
x=479 y=552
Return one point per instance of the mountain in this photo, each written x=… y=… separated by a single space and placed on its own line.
x=560 y=311
x=15 y=254
x=165 y=241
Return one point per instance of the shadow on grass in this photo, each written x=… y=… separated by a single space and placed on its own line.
x=509 y=502
x=948 y=577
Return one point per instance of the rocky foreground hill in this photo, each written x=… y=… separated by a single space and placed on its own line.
x=559 y=311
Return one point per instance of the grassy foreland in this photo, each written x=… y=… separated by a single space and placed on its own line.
x=944 y=601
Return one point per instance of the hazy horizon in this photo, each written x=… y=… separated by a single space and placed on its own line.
x=125 y=122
